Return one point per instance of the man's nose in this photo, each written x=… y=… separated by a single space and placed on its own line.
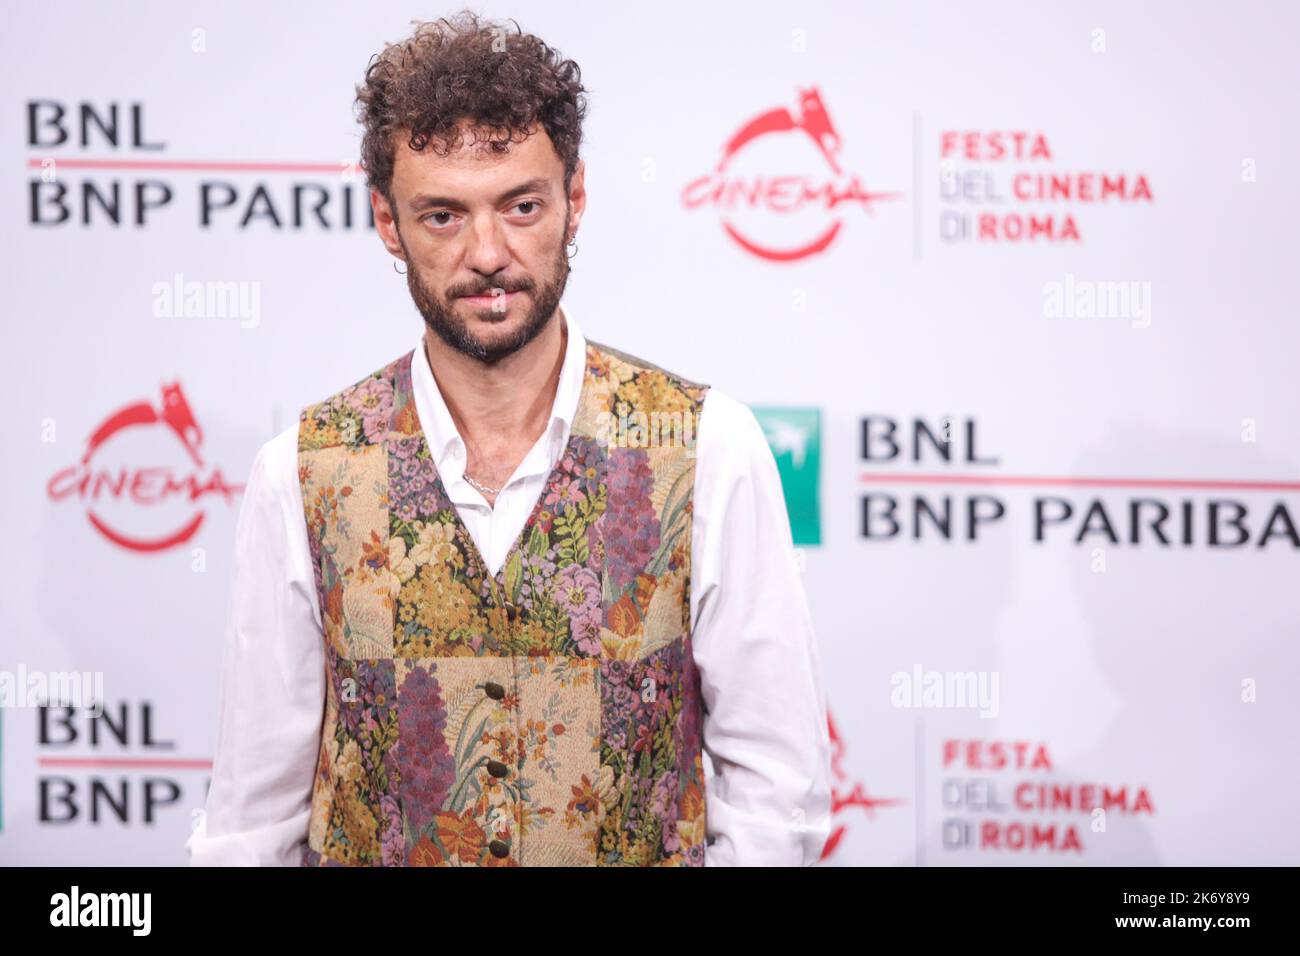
x=487 y=253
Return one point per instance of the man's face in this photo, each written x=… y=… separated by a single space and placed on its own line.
x=483 y=235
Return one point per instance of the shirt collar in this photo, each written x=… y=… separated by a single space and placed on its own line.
x=445 y=443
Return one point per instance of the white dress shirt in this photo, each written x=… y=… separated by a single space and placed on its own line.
x=765 y=730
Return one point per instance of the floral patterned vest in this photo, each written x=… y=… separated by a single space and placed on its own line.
x=548 y=715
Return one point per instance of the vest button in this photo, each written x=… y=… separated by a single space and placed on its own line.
x=494 y=690
x=499 y=848
x=497 y=768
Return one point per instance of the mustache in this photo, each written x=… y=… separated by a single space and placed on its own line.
x=521 y=286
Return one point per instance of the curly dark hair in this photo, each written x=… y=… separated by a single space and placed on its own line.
x=464 y=67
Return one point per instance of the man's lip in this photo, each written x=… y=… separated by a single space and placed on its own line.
x=491 y=295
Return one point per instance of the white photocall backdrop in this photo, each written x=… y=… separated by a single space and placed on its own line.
x=1012 y=286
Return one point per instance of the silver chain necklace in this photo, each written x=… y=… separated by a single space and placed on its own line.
x=478 y=485
x=481 y=487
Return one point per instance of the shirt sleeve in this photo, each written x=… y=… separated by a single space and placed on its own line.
x=765 y=726
x=272 y=688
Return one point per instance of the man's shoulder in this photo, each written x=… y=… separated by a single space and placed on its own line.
x=357 y=415
x=623 y=367
x=730 y=430
x=276 y=460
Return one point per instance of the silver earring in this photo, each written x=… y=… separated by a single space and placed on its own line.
x=400 y=272
x=573 y=244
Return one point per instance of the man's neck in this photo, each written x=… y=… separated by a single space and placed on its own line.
x=506 y=405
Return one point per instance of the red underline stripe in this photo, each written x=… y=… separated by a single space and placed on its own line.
x=198 y=166
x=126 y=763
x=1206 y=484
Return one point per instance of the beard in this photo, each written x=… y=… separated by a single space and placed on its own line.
x=451 y=328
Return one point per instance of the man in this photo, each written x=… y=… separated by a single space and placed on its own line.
x=494 y=602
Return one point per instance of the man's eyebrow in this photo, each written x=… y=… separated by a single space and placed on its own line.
x=424 y=200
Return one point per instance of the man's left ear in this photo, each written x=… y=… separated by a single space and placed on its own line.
x=577 y=196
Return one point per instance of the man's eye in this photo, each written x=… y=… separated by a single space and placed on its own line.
x=526 y=202
x=438 y=221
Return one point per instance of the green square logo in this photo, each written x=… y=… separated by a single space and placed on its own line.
x=795 y=437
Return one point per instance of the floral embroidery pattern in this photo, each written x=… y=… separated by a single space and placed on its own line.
x=547 y=714
x=427 y=769
x=364 y=826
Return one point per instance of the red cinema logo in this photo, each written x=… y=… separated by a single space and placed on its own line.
x=843 y=799
x=798 y=214
x=163 y=497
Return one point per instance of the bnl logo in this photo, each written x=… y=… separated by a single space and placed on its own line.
x=794 y=435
